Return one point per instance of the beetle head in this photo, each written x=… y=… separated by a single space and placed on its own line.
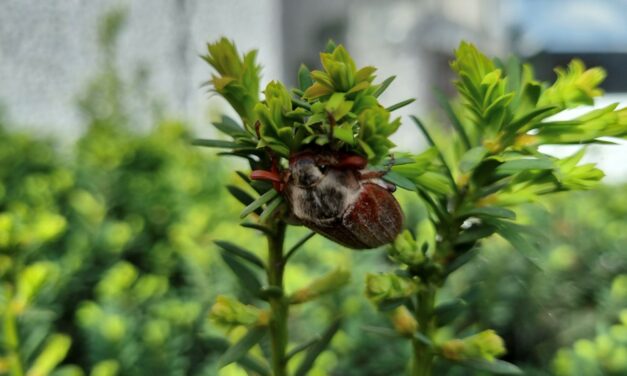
x=306 y=171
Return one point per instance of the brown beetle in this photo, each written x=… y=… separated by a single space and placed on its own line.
x=331 y=193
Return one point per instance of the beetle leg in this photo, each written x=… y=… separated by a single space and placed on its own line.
x=390 y=164
x=278 y=180
x=370 y=175
x=375 y=178
x=265 y=175
x=373 y=175
x=272 y=176
x=353 y=162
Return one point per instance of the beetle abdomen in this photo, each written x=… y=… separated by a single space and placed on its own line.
x=374 y=219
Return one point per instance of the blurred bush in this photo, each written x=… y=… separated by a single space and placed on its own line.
x=573 y=292
x=109 y=246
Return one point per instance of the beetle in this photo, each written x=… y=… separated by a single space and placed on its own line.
x=333 y=194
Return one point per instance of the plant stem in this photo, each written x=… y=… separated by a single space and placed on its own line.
x=278 y=304
x=423 y=354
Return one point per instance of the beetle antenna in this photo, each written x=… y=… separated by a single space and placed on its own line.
x=378 y=174
x=257 y=127
x=331 y=120
x=390 y=163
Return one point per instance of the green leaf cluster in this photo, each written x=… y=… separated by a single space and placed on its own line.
x=336 y=107
x=238 y=78
x=508 y=109
x=474 y=175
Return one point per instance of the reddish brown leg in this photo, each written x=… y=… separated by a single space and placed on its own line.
x=367 y=175
x=370 y=175
x=273 y=175
x=353 y=161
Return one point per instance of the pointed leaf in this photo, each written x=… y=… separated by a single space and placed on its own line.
x=304 y=78
x=246 y=277
x=518 y=165
x=246 y=361
x=256 y=226
x=317 y=349
x=472 y=158
x=241 y=195
x=215 y=143
x=298 y=244
x=519 y=237
x=344 y=133
x=317 y=90
x=229 y=126
x=457 y=124
x=431 y=142
x=423 y=338
x=243 y=175
x=400 y=104
x=240 y=252
x=303 y=346
x=499 y=367
x=330 y=46
x=383 y=86
x=381 y=331
x=446 y=312
x=272 y=206
x=526 y=118
x=241 y=347
x=365 y=74
x=399 y=181
x=475 y=233
x=489 y=211
x=299 y=103
x=461 y=261
x=260 y=201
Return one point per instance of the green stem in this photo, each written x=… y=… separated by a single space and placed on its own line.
x=423 y=354
x=278 y=304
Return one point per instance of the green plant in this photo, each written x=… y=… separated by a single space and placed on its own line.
x=467 y=186
x=470 y=184
x=336 y=108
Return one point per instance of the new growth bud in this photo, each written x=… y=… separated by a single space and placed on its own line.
x=404 y=322
x=389 y=286
x=414 y=251
x=485 y=345
x=328 y=283
x=231 y=312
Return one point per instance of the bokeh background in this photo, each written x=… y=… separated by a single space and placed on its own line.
x=108 y=216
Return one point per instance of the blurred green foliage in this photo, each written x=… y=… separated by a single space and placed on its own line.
x=571 y=300
x=110 y=247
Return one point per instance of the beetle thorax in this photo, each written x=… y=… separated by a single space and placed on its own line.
x=327 y=196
